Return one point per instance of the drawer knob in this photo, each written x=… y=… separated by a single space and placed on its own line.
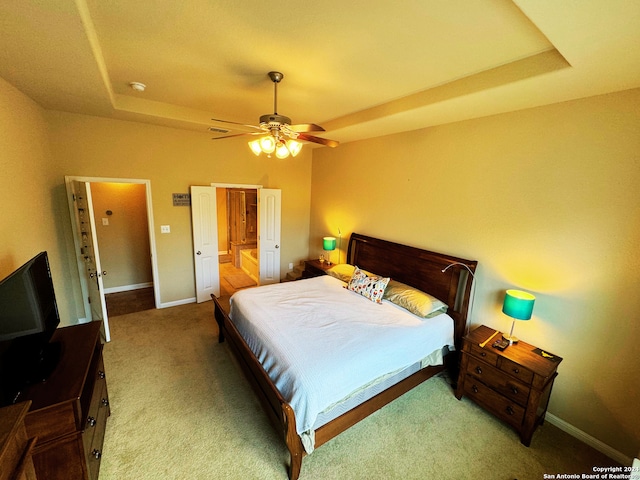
x=101 y=375
x=515 y=370
x=478 y=370
x=105 y=402
x=96 y=454
x=483 y=354
x=510 y=410
x=474 y=388
x=91 y=421
x=514 y=390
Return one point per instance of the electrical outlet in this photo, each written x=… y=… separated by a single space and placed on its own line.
x=291 y=266
x=165 y=229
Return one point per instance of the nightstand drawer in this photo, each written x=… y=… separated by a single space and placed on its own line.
x=496 y=379
x=516 y=370
x=485 y=354
x=502 y=407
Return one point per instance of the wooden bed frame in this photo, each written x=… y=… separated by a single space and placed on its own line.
x=444 y=276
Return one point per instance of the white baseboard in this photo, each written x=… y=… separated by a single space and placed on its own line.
x=128 y=288
x=588 y=439
x=178 y=302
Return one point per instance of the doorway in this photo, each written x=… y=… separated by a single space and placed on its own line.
x=207 y=247
x=125 y=255
x=109 y=210
x=237 y=238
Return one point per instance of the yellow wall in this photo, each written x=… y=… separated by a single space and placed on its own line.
x=124 y=242
x=547 y=201
x=173 y=160
x=223 y=224
x=31 y=195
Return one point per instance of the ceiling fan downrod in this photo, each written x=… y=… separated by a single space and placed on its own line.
x=276 y=78
x=274 y=119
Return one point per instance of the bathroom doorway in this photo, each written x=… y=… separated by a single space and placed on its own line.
x=238 y=238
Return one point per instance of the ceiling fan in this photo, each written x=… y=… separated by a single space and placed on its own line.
x=278 y=134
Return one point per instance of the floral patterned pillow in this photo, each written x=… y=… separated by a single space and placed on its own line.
x=371 y=287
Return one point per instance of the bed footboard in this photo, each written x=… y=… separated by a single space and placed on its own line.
x=279 y=411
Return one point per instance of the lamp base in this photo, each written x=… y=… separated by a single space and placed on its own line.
x=511 y=339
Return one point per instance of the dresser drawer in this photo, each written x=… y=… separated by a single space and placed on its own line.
x=94 y=452
x=485 y=354
x=96 y=402
x=500 y=406
x=518 y=371
x=496 y=379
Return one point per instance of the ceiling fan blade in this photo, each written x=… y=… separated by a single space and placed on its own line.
x=306 y=127
x=236 y=123
x=322 y=141
x=237 y=135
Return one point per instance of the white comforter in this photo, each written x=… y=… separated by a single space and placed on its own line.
x=319 y=342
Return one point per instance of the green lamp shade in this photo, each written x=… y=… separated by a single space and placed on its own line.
x=518 y=304
x=329 y=243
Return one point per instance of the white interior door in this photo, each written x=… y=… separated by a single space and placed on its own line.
x=269 y=222
x=205 y=242
x=87 y=253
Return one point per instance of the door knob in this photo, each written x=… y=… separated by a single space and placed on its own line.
x=277 y=246
x=198 y=252
x=104 y=272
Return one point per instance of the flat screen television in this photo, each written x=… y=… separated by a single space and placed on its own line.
x=28 y=317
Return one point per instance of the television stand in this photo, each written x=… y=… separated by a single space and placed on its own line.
x=69 y=409
x=46 y=363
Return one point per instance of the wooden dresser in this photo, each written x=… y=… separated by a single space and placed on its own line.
x=15 y=447
x=69 y=411
x=513 y=384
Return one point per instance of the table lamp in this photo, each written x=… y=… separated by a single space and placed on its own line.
x=329 y=245
x=519 y=306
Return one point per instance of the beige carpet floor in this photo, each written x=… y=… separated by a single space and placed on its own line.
x=181 y=409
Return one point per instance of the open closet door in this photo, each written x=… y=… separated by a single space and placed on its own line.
x=205 y=242
x=269 y=220
x=87 y=253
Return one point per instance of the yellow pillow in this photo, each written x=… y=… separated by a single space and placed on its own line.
x=416 y=301
x=342 y=271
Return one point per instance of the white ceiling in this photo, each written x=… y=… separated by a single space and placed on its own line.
x=358 y=68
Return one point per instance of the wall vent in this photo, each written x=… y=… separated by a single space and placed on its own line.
x=218 y=130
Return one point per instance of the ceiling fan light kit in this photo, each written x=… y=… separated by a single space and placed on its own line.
x=279 y=135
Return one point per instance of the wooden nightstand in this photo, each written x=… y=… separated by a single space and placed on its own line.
x=314 y=268
x=513 y=384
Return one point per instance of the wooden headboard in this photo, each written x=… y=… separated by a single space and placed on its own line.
x=421 y=269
